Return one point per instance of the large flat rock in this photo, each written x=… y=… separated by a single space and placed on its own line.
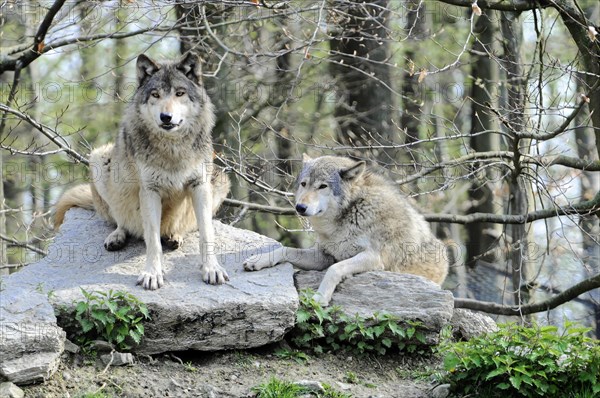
x=408 y=297
x=252 y=309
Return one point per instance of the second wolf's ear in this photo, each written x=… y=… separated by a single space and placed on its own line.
x=353 y=172
x=145 y=68
x=191 y=67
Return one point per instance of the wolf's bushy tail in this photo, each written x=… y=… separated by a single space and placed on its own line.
x=78 y=196
x=220 y=188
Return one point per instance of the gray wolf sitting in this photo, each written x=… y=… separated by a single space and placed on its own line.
x=157 y=181
x=362 y=222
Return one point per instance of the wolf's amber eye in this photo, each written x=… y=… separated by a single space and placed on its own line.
x=180 y=93
x=155 y=94
x=302 y=184
x=322 y=186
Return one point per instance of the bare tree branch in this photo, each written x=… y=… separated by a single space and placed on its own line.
x=38 y=41
x=509 y=310
x=587 y=207
x=49 y=133
x=23 y=244
x=282 y=211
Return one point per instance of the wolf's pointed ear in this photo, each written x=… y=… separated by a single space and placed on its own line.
x=145 y=68
x=191 y=67
x=353 y=172
x=305 y=158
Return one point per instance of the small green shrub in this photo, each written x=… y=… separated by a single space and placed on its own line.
x=525 y=361
x=276 y=388
x=113 y=316
x=298 y=356
x=322 y=329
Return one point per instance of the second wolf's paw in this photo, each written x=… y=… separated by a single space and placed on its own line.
x=116 y=240
x=213 y=273
x=172 y=242
x=151 y=280
x=258 y=262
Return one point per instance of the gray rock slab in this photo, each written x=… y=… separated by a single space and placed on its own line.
x=409 y=297
x=117 y=359
x=467 y=324
x=10 y=390
x=252 y=309
x=30 y=340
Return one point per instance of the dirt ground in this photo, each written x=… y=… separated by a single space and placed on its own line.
x=235 y=373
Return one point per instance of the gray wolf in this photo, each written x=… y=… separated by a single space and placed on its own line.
x=362 y=223
x=157 y=181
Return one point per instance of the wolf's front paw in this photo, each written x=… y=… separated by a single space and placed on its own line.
x=213 y=273
x=116 y=240
x=172 y=242
x=151 y=280
x=258 y=262
x=321 y=299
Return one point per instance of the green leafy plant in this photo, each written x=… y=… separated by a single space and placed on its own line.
x=353 y=378
x=298 y=356
x=276 y=388
x=330 y=392
x=322 y=329
x=189 y=367
x=114 y=316
x=525 y=361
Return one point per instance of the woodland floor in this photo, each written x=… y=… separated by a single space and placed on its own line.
x=235 y=373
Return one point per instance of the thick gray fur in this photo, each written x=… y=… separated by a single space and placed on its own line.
x=362 y=222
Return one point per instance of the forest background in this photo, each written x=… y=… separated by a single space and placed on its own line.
x=485 y=113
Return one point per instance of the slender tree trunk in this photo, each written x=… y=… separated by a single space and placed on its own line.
x=590 y=225
x=120 y=53
x=519 y=190
x=411 y=120
x=359 y=55
x=284 y=145
x=483 y=237
x=590 y=59
x=3 y=256
x=193 y=37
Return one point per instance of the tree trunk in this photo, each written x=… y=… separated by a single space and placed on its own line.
x=589 y=224
x=590 y=59
x=519 y=190
x=193 y=37
x=120 y=51
x=359 y=54
x=411 y=120
x=483 y=237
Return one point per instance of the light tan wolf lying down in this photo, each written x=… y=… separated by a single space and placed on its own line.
x=363 y=223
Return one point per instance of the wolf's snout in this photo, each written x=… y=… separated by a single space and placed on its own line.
x=301 y=209
x=166 y=117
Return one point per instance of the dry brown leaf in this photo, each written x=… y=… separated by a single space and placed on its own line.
x=411 y=67
x=592 y=33
x=422 y=75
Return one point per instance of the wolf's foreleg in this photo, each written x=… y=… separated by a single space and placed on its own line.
x=150 y=208
x=362 y=262
x=306 y=259
x=212 y=272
